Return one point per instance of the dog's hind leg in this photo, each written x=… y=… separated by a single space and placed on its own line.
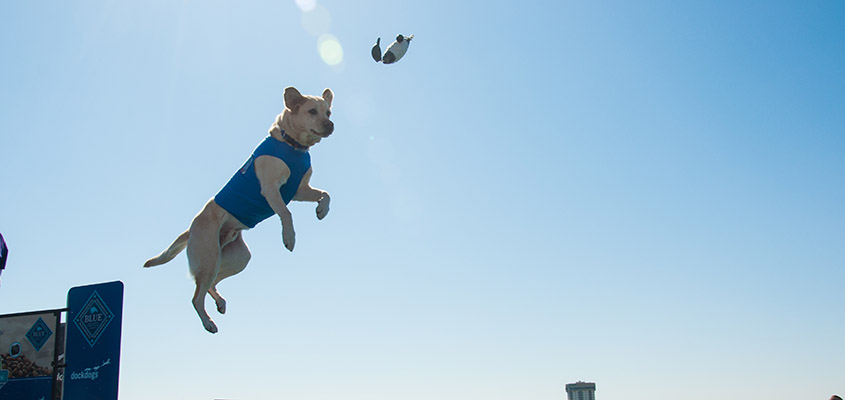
x=204 y=261
x=234 y=258
x=218 y=299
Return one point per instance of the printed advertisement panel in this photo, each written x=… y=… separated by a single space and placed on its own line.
x=27 y=352
x=92 y=348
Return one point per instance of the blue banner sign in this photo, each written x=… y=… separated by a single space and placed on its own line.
x=28 y=354
x=92 y=348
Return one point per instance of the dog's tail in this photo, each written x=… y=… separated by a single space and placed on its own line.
x=171 y=252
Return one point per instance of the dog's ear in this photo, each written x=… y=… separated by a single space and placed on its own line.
x=328 y=96
x=293 y=99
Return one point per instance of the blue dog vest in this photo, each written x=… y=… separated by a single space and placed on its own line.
x=242 y=197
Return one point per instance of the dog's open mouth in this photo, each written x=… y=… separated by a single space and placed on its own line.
x=322 y=135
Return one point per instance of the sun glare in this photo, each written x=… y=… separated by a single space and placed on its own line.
x=330 y=50
x=306 y=5
x=317 y=21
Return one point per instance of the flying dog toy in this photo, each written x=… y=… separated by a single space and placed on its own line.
x=394 y=52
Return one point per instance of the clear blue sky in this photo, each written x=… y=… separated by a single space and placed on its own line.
x=648 y=195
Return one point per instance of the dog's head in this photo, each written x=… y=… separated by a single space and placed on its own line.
x=306 y=118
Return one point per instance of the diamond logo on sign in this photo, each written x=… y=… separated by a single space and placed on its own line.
x=93 y=319
x=38 y=334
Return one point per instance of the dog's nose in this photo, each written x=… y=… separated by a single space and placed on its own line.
x=328 y=127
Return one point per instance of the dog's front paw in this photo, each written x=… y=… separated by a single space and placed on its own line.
x=288 y=238
x=323 y=207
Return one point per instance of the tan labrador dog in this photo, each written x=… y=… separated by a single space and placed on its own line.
x=278 y=171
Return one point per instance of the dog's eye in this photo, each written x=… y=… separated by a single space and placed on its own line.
x=328 y=113
x=312 y=111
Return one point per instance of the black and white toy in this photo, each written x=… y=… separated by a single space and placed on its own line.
x=394 y=52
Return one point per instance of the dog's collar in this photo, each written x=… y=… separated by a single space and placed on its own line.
x=293 y=143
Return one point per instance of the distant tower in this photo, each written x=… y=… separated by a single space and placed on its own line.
x=581 y=391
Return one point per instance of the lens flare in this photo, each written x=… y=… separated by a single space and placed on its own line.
x=317 y=21
x=330 y=50
x=306 y=5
